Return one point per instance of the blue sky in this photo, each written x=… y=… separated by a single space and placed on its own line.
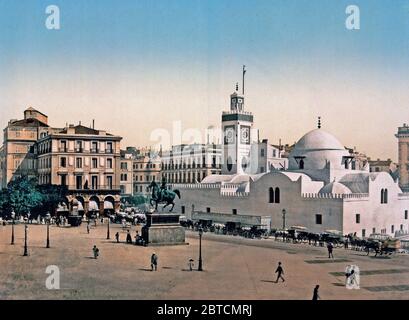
x=302 y=62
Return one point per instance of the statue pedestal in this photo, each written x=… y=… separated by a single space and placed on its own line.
x=163 y=229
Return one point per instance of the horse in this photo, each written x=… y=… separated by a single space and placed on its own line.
x=167 y=197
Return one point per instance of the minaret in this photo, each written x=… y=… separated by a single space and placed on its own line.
x=236 y=125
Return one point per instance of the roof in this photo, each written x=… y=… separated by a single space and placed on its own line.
x=335 y=188
x=382 y=163
x=318 y=139
x=358 y=182
x=32 y=109
x=80 y=129
x=30 y=122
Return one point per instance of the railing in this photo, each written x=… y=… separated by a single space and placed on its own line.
x=240 y=112
x=335 y=196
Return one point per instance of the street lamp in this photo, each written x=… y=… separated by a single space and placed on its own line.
x=13 y=215
x=108 y=229
x=200 y=268
x=284 y=212
x=48 y=218
x=25 y=241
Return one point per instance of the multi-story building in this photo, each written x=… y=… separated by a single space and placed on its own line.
x=383 y=166
x=17 y=157
x=146 y=168
x=191 y=163
x=403 y=152
x=85 y=160
x=269 y=157
x=126 y=173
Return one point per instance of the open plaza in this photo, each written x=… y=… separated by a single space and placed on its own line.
x=233 y=268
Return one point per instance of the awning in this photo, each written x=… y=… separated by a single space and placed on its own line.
x=93 y=206
x=108 y=205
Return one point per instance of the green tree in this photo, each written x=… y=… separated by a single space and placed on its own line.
x=22 y=195
x=52 y=195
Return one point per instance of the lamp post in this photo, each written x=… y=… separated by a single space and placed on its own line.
x=108 y=237
x=200 y=267
x=25 y=241
x=48 y=218
x=284 y=213
x=13 y=215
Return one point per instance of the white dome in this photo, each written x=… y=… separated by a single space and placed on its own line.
x=316 y=150
x=335 y=188
x=318 y=140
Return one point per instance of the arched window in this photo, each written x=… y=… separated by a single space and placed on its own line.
x=301 y=164
x=385 y=196
x=277 y=195
x=382 y=195
x=229 y=163
x=271 y=195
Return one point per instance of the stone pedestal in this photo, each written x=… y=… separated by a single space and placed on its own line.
x=163 y=229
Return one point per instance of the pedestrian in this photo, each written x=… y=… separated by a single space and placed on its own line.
x=154 y=262
x=128 y=238
x=95 y=250
x=279 y=272
x=330 y=247
x=88 y=228
x=191 y=264
x=117 y=237
x=315 y=295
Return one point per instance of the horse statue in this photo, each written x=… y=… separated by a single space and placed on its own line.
x=162 y=195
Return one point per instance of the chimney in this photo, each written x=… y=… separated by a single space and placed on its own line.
x=93 y=123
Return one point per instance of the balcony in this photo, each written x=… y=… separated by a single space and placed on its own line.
x=109 y=151
x=93 y=150
x=62 y=149
x=78 y=150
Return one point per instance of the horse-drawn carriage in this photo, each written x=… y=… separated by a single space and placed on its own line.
x=333 y=236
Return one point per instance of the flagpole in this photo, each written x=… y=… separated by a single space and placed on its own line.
x=244 y=71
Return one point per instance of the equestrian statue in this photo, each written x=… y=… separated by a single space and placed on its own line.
x=162 y=195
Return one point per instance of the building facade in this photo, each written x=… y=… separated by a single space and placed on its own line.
x=126 y=174
x=147 y=166
x=191 y=163
x=85 y=160
x=17 y=157
x=403 y=156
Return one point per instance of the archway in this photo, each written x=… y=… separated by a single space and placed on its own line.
x=109 y=205
x=93 y=206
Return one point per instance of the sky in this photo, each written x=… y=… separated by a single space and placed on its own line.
x=136 y=66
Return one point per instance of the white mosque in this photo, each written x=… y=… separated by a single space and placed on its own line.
x=321 y=189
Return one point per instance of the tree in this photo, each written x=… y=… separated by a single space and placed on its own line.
x=52 y=196
x=135 y=200
x=22 y=195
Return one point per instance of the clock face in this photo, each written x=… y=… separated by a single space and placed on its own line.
x=229 y=135
x=245 y=135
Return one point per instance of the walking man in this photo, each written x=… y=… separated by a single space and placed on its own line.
x=95 y=251
x=128 y=238
x=315 y=295
x=279 y=272
x=88 y=227
x=117 y=237
x=154 y=262
x=330 y=247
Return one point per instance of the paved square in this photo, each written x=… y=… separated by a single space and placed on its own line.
x=234 y=268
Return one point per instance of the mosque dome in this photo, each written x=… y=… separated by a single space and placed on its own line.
x=335 y=188
x=318 y=139
x=317 y=150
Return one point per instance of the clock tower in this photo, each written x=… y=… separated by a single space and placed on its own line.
x=237 y=139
